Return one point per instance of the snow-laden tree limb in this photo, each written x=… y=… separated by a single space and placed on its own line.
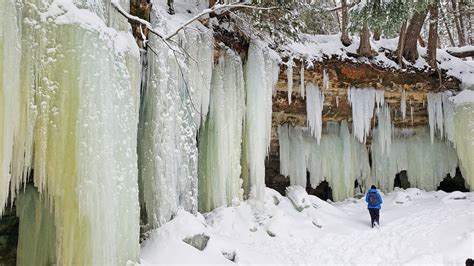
x=464 y=51
x=213 y=9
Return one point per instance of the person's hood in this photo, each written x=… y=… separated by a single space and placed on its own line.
x=372 y=190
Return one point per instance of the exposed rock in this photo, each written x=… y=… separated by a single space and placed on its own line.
x=197 y=241
x=8 y=237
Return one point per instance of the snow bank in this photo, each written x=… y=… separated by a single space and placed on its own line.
x=453 y=197
x=299 y=197
x=424 y=231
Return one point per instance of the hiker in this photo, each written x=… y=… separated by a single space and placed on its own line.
x=373 y=200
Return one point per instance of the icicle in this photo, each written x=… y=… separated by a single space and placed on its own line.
x=411 y=111
x=363 y=102
x=259 y=81
x=220 y=139
x=435 y=114
x=302 y=79
x=325 y=79
x=379 y=98
x=426 y=163
x=464 y=140
x=337 y=101
x=314 y=109
x=338 y=159
x=448 y=116
x=289 y=75
x=10 y=97
x=384 y=129
x=403 y=104
x=284 y=142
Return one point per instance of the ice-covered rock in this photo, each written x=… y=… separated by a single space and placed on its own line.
x=454 y=196
x=299 y=197
x=402 y=198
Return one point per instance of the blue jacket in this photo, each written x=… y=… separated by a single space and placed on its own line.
x=378 y=196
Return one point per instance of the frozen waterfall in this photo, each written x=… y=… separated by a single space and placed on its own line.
x=221 y=136
x=74 y=121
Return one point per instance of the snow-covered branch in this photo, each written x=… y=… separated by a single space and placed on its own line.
x=464 y=51
x=213 y=9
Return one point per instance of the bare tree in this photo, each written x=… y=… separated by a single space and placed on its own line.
x=346 y=41
x=456 y=23
x=448 y=30
x=410 y=51
x=364 y=47
x=433 y=34
x=401 y=43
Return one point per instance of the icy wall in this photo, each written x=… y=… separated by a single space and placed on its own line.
x=426 y=162
x=337 y=158
x=261 y=74
x=73 y=118
x=221 y=136
x=175 y=101
x=427 y=154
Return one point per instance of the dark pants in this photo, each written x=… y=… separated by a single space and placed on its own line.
x=374 y=216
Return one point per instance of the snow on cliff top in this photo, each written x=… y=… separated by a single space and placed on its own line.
x=318 y=47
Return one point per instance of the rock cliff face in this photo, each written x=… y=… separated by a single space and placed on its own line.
x=341 y=76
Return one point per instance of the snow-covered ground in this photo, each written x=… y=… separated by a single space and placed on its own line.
x=417 y=227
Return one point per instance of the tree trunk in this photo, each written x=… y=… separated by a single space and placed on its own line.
x=433 y=35
x=463 y=16
x=456 y=22
x=410 y=51
x=364 y=47
x=421 y=41
x=377 y=34
x=401 y=43
x=346 y=41
x=451 y=39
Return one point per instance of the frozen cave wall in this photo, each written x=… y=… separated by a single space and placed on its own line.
x=72 y=117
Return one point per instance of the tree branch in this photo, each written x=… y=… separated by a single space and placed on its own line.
x=213 y=9
x=465 y=51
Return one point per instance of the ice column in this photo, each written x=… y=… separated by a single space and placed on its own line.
x=289 y=75
x=82 y=118
x=403 y=104
x=260 y=79
x=325 y=79
x=10 y=113
x=362 y=102
x=221 y=137
x=314 y=109
x=174 y=103
x=384 y=128
x=302 y=79
x=435 y=114
x=426 y=163
x=338 y=158
x=464 y=135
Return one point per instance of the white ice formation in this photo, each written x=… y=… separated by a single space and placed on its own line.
x=314 y=109
x=289 y=75
x=363 y=103
x=175 y=102
x=302 y=85
x=74 y=121
x=403 y=104
x=426 y=163
x=261 y=74
x=221 y=136
x=338 y=159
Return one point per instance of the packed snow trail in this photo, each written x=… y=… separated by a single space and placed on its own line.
x=417 y=227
